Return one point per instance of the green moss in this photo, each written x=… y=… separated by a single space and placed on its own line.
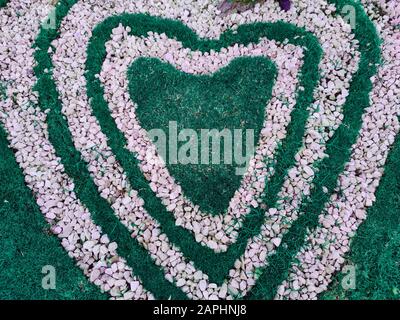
x=60 y=137
x=3 y=90
x=375 y=250
x=27 y=245
x=338 y=151
x=232 y=98
x=3 y=3
x=216 y=265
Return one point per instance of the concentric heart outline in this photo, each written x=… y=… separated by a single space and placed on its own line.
x=128 y=108
x=218 y=269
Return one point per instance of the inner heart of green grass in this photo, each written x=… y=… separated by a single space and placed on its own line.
x=183 y=113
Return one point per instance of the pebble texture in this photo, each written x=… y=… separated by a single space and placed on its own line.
x=325 y=246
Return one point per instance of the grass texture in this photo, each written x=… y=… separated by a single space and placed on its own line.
x=102 y=214
x=3 y=3
x=27 y=244
x=374 y=249
x=232 y=98
x=338 y=151
x=216 y=265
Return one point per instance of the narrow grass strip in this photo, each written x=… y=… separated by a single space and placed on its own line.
x=339 y=149
x=136 y=256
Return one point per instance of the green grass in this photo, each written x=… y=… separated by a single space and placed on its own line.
x=27 y=245
x=232 y=98
x=102 y=214
x=375 y=250
x=216 y=265
x=338 y=151
x=3 y=3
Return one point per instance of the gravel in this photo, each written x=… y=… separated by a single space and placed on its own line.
x=85 y=242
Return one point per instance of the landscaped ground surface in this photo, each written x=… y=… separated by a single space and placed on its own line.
x=87 y=193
